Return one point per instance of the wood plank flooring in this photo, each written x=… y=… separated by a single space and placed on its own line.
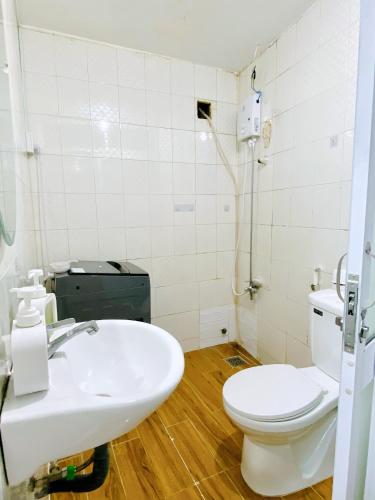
x=188 y=449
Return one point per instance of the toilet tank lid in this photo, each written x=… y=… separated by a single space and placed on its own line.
x=328 y=301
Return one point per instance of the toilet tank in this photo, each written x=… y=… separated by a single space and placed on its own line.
x=325 y=334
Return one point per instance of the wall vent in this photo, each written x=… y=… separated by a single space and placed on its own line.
x=205 y=107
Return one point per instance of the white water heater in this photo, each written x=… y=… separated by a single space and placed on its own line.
x=248 y=119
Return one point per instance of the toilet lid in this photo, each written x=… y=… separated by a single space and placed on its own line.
x=271 y=393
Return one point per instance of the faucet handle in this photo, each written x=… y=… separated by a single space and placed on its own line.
x=52 y=327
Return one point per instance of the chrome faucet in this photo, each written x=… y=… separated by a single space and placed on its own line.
x=90 y=327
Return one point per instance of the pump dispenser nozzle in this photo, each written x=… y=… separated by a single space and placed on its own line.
x=27 y=315
x=35 y=275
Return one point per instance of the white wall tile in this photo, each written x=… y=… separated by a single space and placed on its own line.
x=185 y=217
x=281 y=208
x=301 y=207
x=206 y=209
x=206 y=179
x=83 y=244
x=226 y=87
x=205 y=148
x=183 y=109
x=131 y=68
x=176 y=299
x=182 y=77
x=159 y=144
x=161 y=209
x=137 y=211
x=110 y=210
x=111 y=243
x=102 y=63
x=225 y=237
x=183 y=178
x=132 y=106
x=205 y=82
x=76 y=137
x=158 y=73
x=104 y=102
x=158 y=105
x=134 y=142
x=183 y=146
x=285 y=91
x=55 y=214
x=136 y=177
x=297 y=353
x=106 y=139
x=41 y=93
x=73 y=98
x=57 y=245
x=214 y=293
x=226 y=209
x=162 y=241
x=78 y=175
x=226 y=118
x=334 y=18
x=71 y=58
x=206 y=238
x=206 y=266
x=286 y=49
x=138 y=243
x=46 y=133
x=38 y=51
x=182 y=326
x=327 y=206
x=108 y=175
x=81 y=211
x=307 y=28
x=160 y=178
x=50 y=174
x=184 y=240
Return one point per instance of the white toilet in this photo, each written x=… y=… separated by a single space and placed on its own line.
x=288 y=415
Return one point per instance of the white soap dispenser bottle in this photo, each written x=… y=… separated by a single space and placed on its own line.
x=29 y=346
x=43 y=301
x=27 y=315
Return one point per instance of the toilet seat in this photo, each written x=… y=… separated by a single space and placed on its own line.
x=272 y=393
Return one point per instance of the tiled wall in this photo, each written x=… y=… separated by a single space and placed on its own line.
x=308 y=80
x=16 y=259
x=128 y=172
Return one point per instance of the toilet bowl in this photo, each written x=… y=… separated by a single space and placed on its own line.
x=288 y=415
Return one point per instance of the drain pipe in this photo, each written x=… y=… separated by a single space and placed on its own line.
x=66 y=480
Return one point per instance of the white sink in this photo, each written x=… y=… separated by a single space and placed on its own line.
x=101 y=386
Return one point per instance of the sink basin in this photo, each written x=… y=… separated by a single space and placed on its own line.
x=101 y=386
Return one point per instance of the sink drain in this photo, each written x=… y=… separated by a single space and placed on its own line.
x=103 y=395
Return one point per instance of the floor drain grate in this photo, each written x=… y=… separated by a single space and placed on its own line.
x=235 y=361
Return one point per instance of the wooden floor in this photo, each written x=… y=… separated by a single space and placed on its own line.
x=188 y=449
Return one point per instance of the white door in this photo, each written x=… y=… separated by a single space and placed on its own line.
x=353 y=453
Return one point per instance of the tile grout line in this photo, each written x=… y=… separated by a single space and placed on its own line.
x=235 y=486
x=195 y=482
x=210 y=450
x=317 y=492
x=118 y=470
x=178 y=451
x=125 y=441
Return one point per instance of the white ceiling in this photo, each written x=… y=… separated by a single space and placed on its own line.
x=222 y=33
